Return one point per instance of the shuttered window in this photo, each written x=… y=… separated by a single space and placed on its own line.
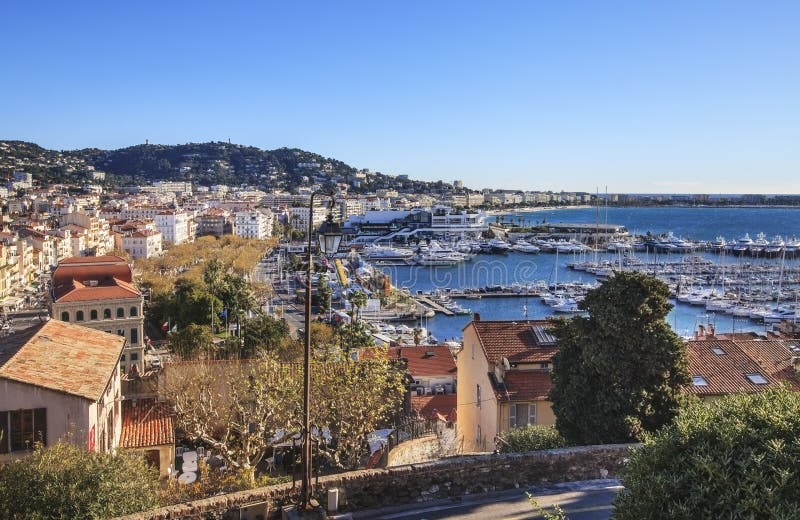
x=22 y=429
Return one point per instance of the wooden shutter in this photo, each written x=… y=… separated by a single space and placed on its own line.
x=532 y=413
x=512 y=415
x=40 y=425
x=4 y=432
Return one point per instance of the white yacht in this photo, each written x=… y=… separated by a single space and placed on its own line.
x=523 y=246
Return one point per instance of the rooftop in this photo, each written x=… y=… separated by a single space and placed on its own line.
x=63 y=357
x=146 y=422
x=427 y=360
x=525 y=385
x=524 y=341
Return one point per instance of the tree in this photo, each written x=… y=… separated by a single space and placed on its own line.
x=619 y=372
x=192 y=341
x=235 y=408
x=240 y=408
x=354 y=335
x=324 y=293
x=733 y=458
x=358 y=299
x=64 y=481
x=264 y=334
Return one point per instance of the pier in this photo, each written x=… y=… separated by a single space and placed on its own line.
x=430 y=304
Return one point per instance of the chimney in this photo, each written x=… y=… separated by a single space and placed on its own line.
x=701 y=332
x=711 y=330
x=476 y=316
x=399 y=355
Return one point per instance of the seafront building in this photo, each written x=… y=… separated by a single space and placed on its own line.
x=417 y=223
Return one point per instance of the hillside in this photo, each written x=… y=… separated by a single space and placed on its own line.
x=204 y=164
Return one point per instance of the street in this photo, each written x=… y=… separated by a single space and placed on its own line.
x=588 y=500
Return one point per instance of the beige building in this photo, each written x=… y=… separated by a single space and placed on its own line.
x=503 y=380
x=147 y=427
x=99 y=293
x=59 y=381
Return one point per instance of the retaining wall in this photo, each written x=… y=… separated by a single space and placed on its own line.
x=414 y=483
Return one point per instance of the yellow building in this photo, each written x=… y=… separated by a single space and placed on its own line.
x=503 y=380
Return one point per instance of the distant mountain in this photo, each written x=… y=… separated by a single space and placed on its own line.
x=202 y=163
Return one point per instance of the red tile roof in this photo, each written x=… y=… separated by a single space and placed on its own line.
x=440 y=363
x=514 y=340
x=93 y=278
x=433 y=407
x=146 y=422
x=525 y=385
x=726 y=373
x=62 y=357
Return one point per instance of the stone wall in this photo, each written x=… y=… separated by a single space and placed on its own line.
x=414 y=483
x=414 y=451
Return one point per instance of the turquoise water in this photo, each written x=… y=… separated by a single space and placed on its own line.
x=486 y=270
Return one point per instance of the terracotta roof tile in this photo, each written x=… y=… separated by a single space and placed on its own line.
x=93 y=278
x=63 y=357
x=146 y=422
x=431 y=406
x=514 y=340
x=724 y=371
x=525 y=385
x=421 y=364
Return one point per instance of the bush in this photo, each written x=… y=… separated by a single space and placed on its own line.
x=64 y=481
x=530 y=438
x=734 y=458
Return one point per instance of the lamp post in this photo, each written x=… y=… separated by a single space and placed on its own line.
x=329 y=239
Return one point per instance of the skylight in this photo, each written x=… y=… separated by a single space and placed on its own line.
x=756 y=379
x=699 y=381
x=718 y=351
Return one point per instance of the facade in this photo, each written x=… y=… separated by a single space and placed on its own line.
x=59 y=381
x=503 y=380
x=414 y=224
x=176 y=226
x=215 y=222
x=253 y=224
x=142 y=244
x=97 y=239
x=99 y=293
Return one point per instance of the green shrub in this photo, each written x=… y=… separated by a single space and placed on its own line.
x=530 y=438
x=734 y=458
x=65 y=482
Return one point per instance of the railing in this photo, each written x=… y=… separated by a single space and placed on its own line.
x=413 y=429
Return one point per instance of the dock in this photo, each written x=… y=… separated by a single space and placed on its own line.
x=430 y=304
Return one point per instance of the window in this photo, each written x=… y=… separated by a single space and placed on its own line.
x=756 y=379
x=122 y=358
x=478 y=434
x=718 y=351
x=79 y=316
x=106 y=314
x=521 y=414
x=134 y=312
x=121 y=332
x=21 y=429
x=699 y=381
x=93 y=314
x=65 y=316
x=134 y=356
x=134 y=335
x=478 y=396
x=120 y=312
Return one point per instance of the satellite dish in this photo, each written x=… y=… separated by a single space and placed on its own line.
x=506 y=364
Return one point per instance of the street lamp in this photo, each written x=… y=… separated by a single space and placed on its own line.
x=329 y=239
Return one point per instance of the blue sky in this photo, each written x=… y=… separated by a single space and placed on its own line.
x=688 y=97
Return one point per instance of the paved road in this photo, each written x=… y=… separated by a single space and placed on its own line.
x=590 y=500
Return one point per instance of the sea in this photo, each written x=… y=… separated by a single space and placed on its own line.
x=695 y=223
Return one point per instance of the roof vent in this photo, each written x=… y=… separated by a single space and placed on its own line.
x=91 y=283
x=429 y=353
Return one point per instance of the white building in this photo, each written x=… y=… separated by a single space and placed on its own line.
x=176 y=226
x=143 y=243
x=253 y=224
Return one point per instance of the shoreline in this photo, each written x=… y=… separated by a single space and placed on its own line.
x=536 y=209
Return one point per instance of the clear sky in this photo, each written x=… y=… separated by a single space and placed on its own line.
x=662 y=96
